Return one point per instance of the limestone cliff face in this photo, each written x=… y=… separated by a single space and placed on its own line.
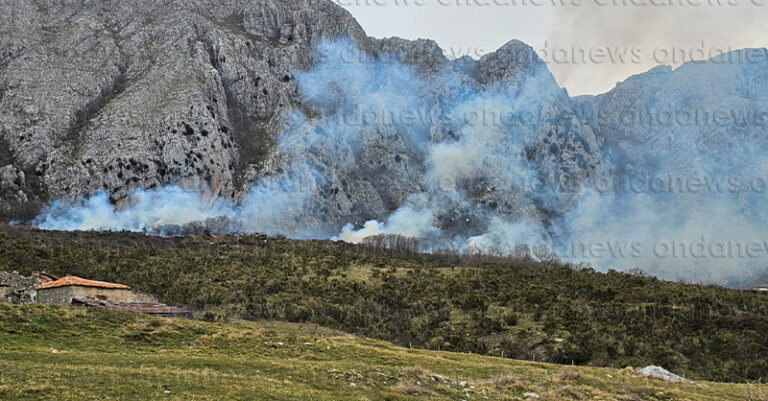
x=120 y=95
x=705 y=120
x=116 y=96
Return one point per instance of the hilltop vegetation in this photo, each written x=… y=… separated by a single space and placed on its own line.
x=515 y=308
x=96 y=355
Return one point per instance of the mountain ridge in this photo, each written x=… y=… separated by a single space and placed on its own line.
x=236 y=115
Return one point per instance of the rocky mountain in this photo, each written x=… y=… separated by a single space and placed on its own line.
x=110 y=97
x=284 y=117
x=686 y=150
x=704 y=119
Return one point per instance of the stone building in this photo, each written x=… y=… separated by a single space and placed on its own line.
x=64 y=290
x=75 y=291
x=18 y=289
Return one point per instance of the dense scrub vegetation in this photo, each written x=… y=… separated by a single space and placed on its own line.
x=516 y=308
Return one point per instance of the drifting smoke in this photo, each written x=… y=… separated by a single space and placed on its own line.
x=147 y=210
x=405 y=221
x=393 y=152
x=266 y=209
x=630 y=37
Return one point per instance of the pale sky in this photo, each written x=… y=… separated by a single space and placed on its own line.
x=582 y=41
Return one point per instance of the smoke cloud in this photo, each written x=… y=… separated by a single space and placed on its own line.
x=640 y=35
x=625 y=37
x=453 y=180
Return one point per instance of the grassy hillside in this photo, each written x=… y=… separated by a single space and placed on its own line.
x=54 y=353
x=516 y=308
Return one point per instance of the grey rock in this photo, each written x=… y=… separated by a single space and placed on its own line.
x=15 y=288
x=663 y=374
x=703 y=119
x=12 y=185
x=119 y=96
x=512 y=64
x=423 y=54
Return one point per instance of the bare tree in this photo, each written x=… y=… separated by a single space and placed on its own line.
x=391 y=243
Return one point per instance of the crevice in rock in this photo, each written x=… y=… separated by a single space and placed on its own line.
x=254 y=143
x=33 y=187
x=73 y=137
x=6 y=156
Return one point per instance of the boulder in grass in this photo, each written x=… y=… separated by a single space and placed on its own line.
x=663 y=374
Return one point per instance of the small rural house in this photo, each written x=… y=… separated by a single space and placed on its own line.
x=75 y=291
x=68 y=288
x=760 y=288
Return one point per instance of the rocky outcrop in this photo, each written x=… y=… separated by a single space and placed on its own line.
x=114 y=97
x=663 y=374
x=18 y=289
x=705 y=119
x=117 y=97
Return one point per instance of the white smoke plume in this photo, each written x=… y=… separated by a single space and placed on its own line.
x=458 y=185
x=405 y=221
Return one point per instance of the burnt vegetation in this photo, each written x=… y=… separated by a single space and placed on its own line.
x=513 y=307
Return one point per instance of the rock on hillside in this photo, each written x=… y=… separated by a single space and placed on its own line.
x=663 y=374
x=704 y=118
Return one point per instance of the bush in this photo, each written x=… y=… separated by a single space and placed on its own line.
x=510 y=318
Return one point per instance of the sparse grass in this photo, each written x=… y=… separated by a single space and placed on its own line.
x=569 y=375
x=54 y=353
x=412 y=390
x=756 y=393
x=506 y=382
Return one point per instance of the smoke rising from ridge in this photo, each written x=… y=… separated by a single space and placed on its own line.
x=386 y=150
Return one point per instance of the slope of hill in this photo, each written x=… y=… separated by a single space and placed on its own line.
x=54 y=353
x=516 y=308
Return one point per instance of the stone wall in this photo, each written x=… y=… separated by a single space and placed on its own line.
x=64 y=295
x=18 y=289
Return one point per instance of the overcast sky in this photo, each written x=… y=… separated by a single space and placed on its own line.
x=582 y=40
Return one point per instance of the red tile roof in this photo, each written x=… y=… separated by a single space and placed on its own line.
x=73 y=280
x=46 y=278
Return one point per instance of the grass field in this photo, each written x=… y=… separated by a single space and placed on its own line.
x=55 y=353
